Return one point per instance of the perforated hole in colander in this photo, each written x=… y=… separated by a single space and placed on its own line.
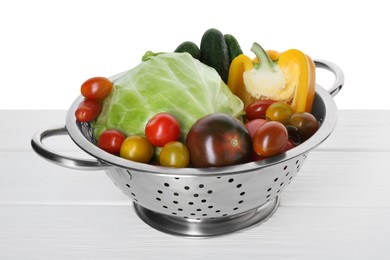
x=211 y=197
x=284 y=179
x=196 y=200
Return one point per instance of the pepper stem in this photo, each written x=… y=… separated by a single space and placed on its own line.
x=265 y=61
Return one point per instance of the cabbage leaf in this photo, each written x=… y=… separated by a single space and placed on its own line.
x=175 y=83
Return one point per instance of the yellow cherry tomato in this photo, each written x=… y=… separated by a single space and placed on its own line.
x=174 y=154
x=136 y=148
x=279 y=111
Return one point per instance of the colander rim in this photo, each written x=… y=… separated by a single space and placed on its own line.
x=326 y=128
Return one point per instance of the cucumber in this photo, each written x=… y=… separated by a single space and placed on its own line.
x=189 y=47
x=233 y=46
x=214 y=52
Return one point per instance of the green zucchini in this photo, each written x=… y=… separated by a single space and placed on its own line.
x=189 y=47
x=233 y=46
x=214 y=52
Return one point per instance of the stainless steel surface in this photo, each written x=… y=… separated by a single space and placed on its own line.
x=199 y=196
x=206 y=227
x=338 y=73
x=59 y=159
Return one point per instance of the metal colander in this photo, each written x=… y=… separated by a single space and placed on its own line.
x=204 y=201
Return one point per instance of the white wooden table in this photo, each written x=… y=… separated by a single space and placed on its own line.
x=338 y=207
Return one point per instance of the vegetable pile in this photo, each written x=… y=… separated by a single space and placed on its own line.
x=206 y=106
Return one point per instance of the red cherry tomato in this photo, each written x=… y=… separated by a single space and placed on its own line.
x=96 y=88
x=161 y=129
x=290 y=145
x=257 y=109
x=111 y=141
x=253 y=125
x=87 y=110
x=270 y=139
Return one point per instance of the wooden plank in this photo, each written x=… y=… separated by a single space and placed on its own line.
x=114 y=232
x=18 y=127
x=25 y=178
x=335 y=179
x=341 y=179
x=361 y=130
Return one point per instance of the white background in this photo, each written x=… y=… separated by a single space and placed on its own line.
x=48 y=48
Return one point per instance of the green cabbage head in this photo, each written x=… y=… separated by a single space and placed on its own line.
x=174 y=83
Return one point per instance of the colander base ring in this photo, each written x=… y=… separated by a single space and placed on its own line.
x=207 y=227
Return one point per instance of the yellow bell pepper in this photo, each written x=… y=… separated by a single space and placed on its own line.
x=312 y=84
x=290 y=78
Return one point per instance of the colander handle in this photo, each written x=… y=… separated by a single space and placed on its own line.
x=59 y=159
x=338 y=73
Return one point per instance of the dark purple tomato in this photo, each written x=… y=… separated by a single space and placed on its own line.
x=306 y=124
x=218 y=140
x=293 y=134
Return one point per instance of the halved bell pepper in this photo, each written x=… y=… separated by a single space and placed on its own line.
x=290 y=78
